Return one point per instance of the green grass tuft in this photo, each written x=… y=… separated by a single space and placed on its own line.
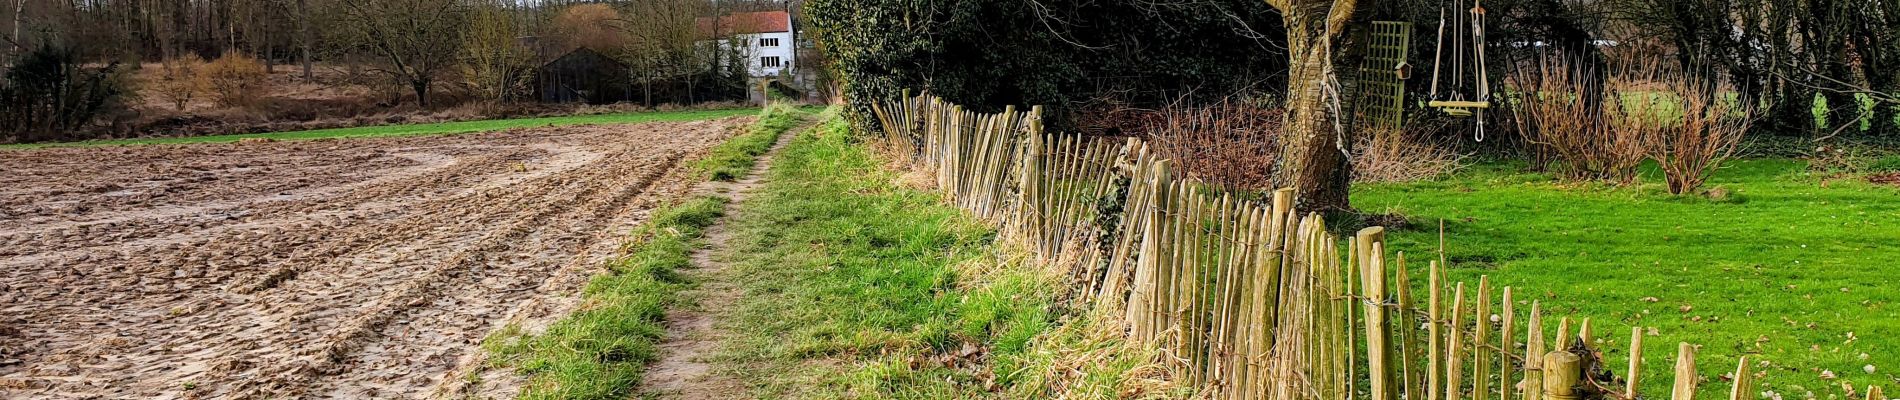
x=601 y=350
x=732 y=159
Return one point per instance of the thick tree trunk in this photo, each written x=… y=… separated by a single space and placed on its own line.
x=1313 y=151
x=1311 y=158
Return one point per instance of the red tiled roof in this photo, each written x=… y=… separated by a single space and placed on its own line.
x=746 y=22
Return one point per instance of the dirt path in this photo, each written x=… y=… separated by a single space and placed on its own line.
x=692 y=334
x=363 y=268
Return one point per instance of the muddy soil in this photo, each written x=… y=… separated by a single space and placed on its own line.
x=362 y=268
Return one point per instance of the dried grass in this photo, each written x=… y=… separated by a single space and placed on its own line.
x=1232 y=145
x=1088 y=356
x=1402 y=156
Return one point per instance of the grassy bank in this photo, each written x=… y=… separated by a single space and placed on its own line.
x=858 y=287
x=1788 y=269
x=732 y=159
x=441 y=128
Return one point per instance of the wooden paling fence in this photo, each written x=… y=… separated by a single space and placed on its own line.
x=1250 y=300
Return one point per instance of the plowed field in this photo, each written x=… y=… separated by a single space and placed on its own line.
x=363 y=268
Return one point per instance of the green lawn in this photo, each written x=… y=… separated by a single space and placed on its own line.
x=419 y=129
x=1790 y=270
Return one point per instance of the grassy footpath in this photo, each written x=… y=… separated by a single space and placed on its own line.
x=1792 y=270
x=732 y=159
x=441 y=128
x=601 y=350
x=857 y=287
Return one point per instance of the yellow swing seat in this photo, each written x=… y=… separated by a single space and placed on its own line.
x=1459 y=108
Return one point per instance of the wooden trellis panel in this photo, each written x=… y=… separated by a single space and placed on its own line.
x=1381 y=83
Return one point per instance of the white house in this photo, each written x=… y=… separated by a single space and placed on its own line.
x=766 y=37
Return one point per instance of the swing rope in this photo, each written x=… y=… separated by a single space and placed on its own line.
x=1455 y=102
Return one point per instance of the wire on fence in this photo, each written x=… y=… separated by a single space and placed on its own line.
x=1245 y=299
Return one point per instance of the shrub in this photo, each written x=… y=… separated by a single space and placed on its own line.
x=493 y=63
x=1560 y=105
x=235 y=79
x=49 y=93
x=181 y=81
x=1232 y=145
x=1681 y=120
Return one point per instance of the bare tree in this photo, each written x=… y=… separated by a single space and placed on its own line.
x=661 y=36
x=19 y=18
x=493 y=62
x=304 y=38
x=414 y=38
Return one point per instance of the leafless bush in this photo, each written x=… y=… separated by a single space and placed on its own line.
x=181 y=82
x=1109 y=116
x=1684 y=123
x=1561 y=105
x=1232 y=145
x=236 y=79
x=1401 y=156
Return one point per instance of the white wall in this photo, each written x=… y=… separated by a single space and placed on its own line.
x=758 y=53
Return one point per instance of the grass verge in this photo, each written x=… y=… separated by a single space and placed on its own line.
x=858 y=287
x=601 y=350
x=732 y=159
x=1789 y=269
x=441 y=128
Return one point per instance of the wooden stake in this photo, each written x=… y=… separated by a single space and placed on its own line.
x=1685 y=373
x=1435 y=351
x=1562 y=371
x=1455 y=356
x=1481 y=332
x=1533 y=354
x=1408 y=328
x=1744 y=388
x=1505 y=344
x=1634 y=375
x=1563 y=335
x=1378 y=332
x=1585 y=335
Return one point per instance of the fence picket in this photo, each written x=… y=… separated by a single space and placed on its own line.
x=1247 y=299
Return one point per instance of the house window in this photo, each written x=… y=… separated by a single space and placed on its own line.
x=769 y=62
x=768 y=42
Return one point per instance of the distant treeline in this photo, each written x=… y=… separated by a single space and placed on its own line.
x=70 y=63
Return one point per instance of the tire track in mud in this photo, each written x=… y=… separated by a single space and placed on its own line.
x=376 y=289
